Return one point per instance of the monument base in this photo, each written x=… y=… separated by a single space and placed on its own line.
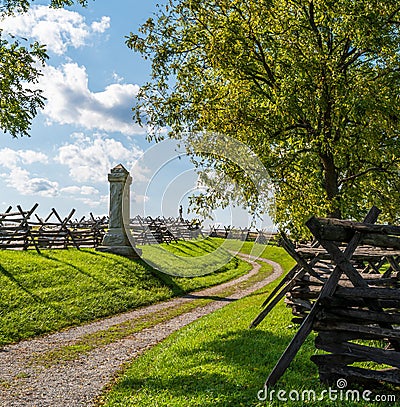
x=125 y=251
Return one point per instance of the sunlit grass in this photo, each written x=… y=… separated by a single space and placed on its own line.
x=189 y=258
x=59 y=288
x=218 y=362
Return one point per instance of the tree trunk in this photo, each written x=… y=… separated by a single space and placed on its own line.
x=331 y=183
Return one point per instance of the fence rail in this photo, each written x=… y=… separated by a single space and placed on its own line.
x=21 y=230
x=346 y=288
x=245 y=234
x=150 y=230
x=25 y=229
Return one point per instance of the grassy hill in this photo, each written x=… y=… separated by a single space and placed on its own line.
x=41 y=293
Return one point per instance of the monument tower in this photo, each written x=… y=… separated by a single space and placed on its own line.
x=116 y=239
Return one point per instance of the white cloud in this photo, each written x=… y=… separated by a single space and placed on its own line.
x=30 y=157
x=140 y=172
x=140 y=199
x=102 y=25
x=70 y=101
x=76 y=190
x=20 y=180
x=95 y=203
x=117 y=78
x=11 y=158
x=58 y=29
x=90 y=159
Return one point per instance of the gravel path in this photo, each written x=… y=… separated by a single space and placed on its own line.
x=75 y=383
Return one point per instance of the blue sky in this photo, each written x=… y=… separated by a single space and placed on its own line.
x=91 y=81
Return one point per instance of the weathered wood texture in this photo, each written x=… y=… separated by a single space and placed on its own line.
x=150 y=230
x=26 y=230
x=18 y=230
x=346 y=287
x=261 y=236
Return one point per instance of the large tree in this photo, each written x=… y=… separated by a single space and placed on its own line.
x=311 y=86
x=20 y=64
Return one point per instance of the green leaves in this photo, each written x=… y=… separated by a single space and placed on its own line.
x=19 y=101
x=311 y=86
x=20 y=62
x=21 y=6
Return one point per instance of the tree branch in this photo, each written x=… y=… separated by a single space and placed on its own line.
x=360 y=174
x=310 y=15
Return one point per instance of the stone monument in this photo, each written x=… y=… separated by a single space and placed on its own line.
x=116 y=239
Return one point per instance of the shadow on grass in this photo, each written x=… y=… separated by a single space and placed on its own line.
x=19 y=284
x=148 y=267
x=79 y=270
x=177 y=250
x=35 y=297
x=166 y=279
x=252 y=348
x=191 y=248
x=226 y=371
x=209 y=297
x=199 y=245
x=125 y=263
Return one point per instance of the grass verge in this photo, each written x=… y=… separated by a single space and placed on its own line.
x=120 y=331
x=188 y=258
x=60 y=288
x=218 y=362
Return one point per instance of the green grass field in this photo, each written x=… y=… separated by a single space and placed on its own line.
x=59 y=288
x=218 y=362
x=189 y=258
x=215 y=361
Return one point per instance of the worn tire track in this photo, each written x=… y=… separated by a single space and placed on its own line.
x=79 y=382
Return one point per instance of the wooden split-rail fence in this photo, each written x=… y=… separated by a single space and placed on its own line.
x=244 y=234
x=346 y=288
x=23 y=230
x=148 y=230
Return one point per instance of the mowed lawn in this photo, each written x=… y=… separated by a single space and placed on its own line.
x=218 y=361
x=41 y=293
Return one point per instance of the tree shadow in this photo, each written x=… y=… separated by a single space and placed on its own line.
x=149 y=267
x=209 y=297
x=10 y=276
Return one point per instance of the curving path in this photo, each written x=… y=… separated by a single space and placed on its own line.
x=25 y=381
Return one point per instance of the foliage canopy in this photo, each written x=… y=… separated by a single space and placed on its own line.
x=311 y=86
x=19 y=70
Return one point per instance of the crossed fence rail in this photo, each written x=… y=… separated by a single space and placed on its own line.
x=25 y=229
x=345 y=287
x=148 y=230
x=244 y=234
